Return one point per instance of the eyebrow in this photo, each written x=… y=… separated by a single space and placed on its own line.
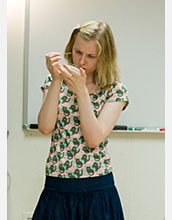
x=90 y=54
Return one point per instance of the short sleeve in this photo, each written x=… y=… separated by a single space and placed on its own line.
x=118 y=93
x=47 y=82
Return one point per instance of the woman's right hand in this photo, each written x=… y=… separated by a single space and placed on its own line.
x=52 y=63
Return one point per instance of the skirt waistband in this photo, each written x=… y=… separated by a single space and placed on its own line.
x=79 y=184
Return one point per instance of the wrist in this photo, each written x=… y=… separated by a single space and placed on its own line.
x=56 y=83
x=56 y=77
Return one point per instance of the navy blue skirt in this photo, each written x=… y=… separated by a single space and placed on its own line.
x=92 y=198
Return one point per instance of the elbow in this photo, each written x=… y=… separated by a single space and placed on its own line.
x=44 y=130
x=95 y=141
x=93 y=144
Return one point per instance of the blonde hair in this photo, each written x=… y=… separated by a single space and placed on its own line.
x=107 y=70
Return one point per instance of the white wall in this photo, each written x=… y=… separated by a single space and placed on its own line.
x=138 y=159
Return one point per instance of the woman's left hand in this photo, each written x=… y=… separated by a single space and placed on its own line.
x=74 y=80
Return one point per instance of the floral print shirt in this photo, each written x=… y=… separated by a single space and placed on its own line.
x=69 y=155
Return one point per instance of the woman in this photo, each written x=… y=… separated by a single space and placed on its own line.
x=80 y=109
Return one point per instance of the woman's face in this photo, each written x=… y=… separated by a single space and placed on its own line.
x=84 y=54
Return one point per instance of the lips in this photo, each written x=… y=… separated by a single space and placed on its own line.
x=83 y=68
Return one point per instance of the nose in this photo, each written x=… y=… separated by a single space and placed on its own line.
x=82 y=60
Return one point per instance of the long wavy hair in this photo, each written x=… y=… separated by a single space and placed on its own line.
x=107 y=70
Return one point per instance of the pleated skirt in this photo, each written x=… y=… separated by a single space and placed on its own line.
x=92 y=198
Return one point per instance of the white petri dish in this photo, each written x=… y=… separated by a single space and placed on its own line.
x=74 y=68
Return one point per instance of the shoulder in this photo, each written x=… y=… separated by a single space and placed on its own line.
x=117 y=87
x=117 y=92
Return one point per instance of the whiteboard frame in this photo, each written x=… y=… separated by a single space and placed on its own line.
x=26 y=63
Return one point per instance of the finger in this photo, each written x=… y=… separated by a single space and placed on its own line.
x=82 y=72
x=52 y=54
x=55 y=59
x=55 y=64
x=49 y=57
x=65 y=73
x=56 y=68
x=50 y=60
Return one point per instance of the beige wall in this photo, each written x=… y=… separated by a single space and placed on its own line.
x=138 y=159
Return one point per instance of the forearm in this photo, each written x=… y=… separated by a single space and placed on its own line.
x=91 y=127
x=48 y=113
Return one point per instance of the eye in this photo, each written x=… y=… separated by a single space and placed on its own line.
x=91 y=56
x=78 y=51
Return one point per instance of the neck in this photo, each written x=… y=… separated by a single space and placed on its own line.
x=89 y=80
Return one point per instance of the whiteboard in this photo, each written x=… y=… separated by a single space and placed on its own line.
x=138 y=28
